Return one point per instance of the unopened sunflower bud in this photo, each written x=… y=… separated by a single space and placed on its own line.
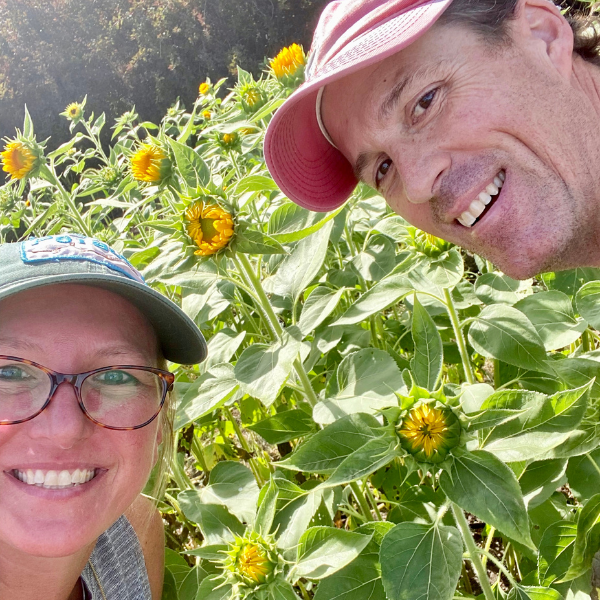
x=428 y=431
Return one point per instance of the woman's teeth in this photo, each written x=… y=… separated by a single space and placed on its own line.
x=55 y=480
x=478 y=205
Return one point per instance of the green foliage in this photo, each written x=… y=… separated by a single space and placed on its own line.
x=366 y=386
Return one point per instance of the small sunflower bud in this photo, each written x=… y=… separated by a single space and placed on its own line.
x=428 y=431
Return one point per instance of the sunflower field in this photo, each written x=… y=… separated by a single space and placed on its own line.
x=381 y=416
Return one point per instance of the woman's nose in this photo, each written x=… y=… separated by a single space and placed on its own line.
x=62 y=420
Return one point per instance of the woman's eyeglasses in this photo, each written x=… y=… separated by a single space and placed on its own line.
x=118 y=397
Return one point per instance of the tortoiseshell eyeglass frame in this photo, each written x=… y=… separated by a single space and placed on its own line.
x=77 y=379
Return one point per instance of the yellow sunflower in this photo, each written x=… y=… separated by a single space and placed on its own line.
x=429 y=432
x=204 y=88
x=288 y=65
x=210 y=226
x=252 y=562
x=149 y=163
x=207 y=114
x=74 y=111
x=18 y=159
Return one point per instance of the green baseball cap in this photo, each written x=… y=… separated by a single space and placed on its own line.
x=72 y=258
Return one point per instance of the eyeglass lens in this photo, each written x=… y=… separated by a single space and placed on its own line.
x=115 y=397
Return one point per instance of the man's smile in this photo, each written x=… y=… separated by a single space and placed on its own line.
x=483 y=202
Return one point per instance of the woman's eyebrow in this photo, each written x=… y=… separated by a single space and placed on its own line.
x=115 y=351
x=20 y=344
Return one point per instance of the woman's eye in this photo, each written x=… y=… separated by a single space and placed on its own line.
x=424 y=102
x=13 y=373
x=382 y=171
x=115 y=378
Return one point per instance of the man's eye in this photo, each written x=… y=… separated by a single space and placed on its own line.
x=424 y=102
x=382 y=171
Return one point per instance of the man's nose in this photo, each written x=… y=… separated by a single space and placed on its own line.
x=420 y=172
x=62 y=421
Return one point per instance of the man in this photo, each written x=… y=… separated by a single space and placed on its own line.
x=477 y=120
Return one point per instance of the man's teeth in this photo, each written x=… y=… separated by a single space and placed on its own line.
x=55 y=480
x=478 y=205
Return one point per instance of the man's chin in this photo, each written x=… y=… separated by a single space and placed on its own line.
x=524 y=265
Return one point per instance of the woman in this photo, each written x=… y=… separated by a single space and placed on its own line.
x=77 y=450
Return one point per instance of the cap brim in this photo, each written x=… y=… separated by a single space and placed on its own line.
x=180 y=339
x=305 y=166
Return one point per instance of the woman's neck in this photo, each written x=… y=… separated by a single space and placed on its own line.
x=26 y=577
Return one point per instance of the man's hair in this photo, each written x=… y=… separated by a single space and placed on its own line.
x=490 y=18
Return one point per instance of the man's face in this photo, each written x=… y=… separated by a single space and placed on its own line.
x=434 y=125
x=71 y=329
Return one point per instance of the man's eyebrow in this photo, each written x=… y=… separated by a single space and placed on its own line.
x=392 y=98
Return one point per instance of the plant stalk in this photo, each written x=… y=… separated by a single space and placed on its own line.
x=362 y=501
x=177 y=472
x=488 y=544
x=500 y=566
x=305 y=595
x=372 y=500
x=199 y=455
x=246 y=270
x=51 y=177
x=244 y=443
x=473 y=550
x=460 y=340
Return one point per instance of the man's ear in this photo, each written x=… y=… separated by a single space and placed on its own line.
x=543 y=23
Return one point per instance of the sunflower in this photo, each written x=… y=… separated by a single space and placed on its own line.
x=288 y=65
x=252 y=561
x=74 y=111
x=204 y=88
x=18 y=159
x=229 y=141
x=207 y=114
x=251 y=98
x=150 y=163
x=429 y=244
x=429 y=431
x=210 y=226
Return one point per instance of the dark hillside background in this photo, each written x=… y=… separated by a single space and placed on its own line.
x=132 y=52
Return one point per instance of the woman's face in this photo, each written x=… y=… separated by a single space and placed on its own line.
x=71 y=329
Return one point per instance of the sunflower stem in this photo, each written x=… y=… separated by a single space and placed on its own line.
x=362 y=501
x=247 y=272
x=460 y=340
x=245 y=267
x=303 y=590
x=177 y=472
x=94 y=140
x=244 y=443
x=473 y=551
x=199 y=455
x=49 y=175
x=486 y=554
x=488 y=544
x=372 y=500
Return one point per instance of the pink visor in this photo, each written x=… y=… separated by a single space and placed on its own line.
x=351 y=35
